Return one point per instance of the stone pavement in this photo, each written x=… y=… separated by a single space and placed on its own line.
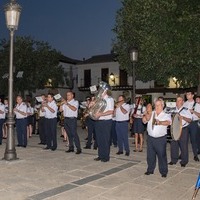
x=56 y=175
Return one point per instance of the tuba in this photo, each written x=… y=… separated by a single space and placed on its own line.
x=99 y=104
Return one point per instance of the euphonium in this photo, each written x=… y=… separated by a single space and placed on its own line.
x=100 y=104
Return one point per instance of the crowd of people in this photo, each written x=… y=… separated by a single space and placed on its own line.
x=108 y=123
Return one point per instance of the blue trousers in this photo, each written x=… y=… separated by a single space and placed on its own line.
x=21 y=127
x=51 y=133
x=193 y=131
x=182 y=143
x=2 y=121
x=113 y=134
x=157 y=147
x=70 y=125
x=103 y=134
x=122 y=136
x=91 y=132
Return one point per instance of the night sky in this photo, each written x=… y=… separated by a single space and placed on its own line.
x=77 y=28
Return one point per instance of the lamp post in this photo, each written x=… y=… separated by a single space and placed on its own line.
x=134 y=59
x=12 y=14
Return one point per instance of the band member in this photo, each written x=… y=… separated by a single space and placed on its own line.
x=2 y=119
x=21 y=122
x=197 y=100
x=70 y=112
x=50 y=109
x=5 y=129
x=138 y=127
x=194 y=108
x=41 y=122
x=30 y=113
x=185 y=117
x=122 y=119
x=156 y=139
x=103 y=126
x=90 y=124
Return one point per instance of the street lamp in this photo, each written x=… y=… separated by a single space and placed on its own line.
x=12 y=14
x=134 y=59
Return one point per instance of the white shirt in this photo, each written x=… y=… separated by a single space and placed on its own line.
x=190 y=105
x=23 y=108
x=185 y=113
x=120 y=116
x=48 y=113
x=158 y=130
x=67 y=112
x=140 y=110
x=30 y=110
x=109 y=106
x=2 y=108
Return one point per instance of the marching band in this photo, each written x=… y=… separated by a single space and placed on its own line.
x=103 y=118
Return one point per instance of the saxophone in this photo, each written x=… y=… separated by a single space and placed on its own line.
x=99 y=104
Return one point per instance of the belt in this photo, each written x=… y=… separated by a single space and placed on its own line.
x=70 y=117
x=122 y=121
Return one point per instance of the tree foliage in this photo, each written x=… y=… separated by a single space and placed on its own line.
x=166 y=33
x=38 y=61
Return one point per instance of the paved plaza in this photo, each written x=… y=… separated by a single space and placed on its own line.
x=56 y=175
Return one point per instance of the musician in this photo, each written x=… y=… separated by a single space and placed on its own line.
x=21 y=122
x=194 y=108
x=185 y=117
x=197 y=100
x=90 y=123
x=103 y=126
x=138 y=127
x=41 y=122
x=2 y=119
x=122 y=119
x=50 y=113
x=70 y=112
x=157 y=121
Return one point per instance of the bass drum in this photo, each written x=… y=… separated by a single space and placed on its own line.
x=176 y=127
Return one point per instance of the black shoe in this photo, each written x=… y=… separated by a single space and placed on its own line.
x=127 y=154
x=196 y=158
x=95 y=148
x=164 y=175
x=19 y=145
x=87 y=147
x=53 y=149
x=119 y=152
x=171 y=163
x=78 y=152
x=69 y=150
x=148 y=173
x=46 y=148
x=104 y=160
x=97 y=159
x=183 y=165
x=24 y=146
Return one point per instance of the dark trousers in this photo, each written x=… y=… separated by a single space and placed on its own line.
x=113 y=134
x=2 y=121
x=103 y=134
x=91 y=132
x=51 y=133
x=21 y=127
x=182 y=143
x=41 y=127
x=70 y=125
x=157 y=147
x=198 y=139
x=122 y=136
x=193 y=131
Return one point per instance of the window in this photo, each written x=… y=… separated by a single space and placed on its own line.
x=87 y=78
x=123 y=77
x=104 y=74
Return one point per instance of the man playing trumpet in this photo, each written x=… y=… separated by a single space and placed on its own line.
x=156 y=139
x=185 y=118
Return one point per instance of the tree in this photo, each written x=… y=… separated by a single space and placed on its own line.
x=38 y=61
x=166 y=33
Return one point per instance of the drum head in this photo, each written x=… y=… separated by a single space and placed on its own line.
x=176 y=127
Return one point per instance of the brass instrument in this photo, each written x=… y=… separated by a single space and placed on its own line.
x=100 y=103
